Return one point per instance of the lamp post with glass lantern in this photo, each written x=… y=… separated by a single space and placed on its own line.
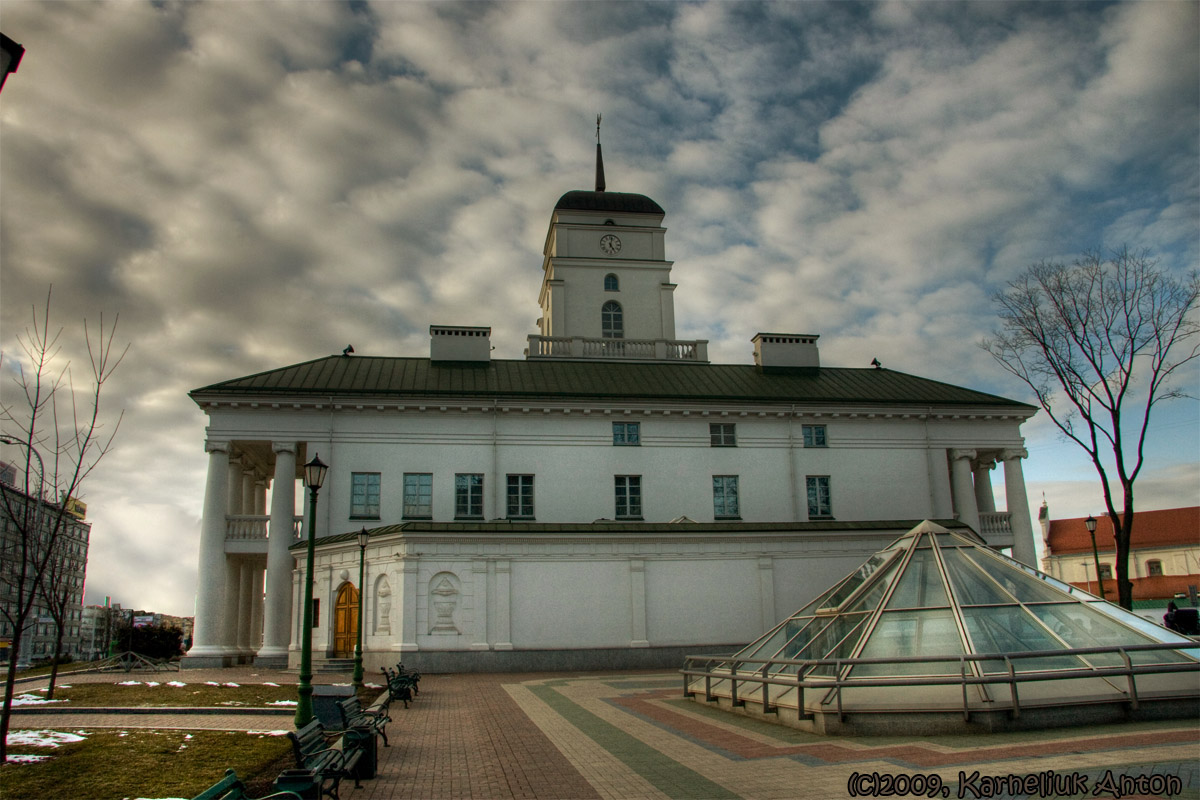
x=314 y=476
x=1090 y=522
x=364 y=536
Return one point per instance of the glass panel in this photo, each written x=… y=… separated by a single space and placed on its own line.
x=860 y=576
x=921 y=585
x=1024 y=587
x=1011 y=629
x=1080 y=626
x=899 y=634
x=1155 y=632
x=837 y=640
x=971 y=586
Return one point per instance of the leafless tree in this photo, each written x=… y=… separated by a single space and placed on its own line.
x=61 y=591
x=1098 y=342
x=62 y=437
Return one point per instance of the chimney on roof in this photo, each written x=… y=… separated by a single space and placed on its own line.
x=454 y=343
x=785 y=350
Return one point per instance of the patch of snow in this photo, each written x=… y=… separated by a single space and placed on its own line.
x=211 y=683
x=32 y=700
x=267 y=733
x=130 y=683
x=373 y=685
x=234 y=685
x=282 y=703
x=268 y=683
x=152 y=683
x=232 y=703
x=22 y=759
x=42 y=738
x=175 y=683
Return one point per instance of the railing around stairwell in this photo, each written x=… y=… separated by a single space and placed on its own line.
x=995 y=523
x=580 y=347
x=253 y=527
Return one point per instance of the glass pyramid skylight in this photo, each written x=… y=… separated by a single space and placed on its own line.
x=927 y=606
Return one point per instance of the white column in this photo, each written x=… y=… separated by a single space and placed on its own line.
x=245 y=605
x=503 y=605
x=229 y=607
x=406 y=595
x=1017 y=505
x=278 y=609
x=637 y=603
x=985 y=501
x=247 y=492
x=206 y=633
x=479 y=588
x=256 y=608
x=260 y=497
x=965 y=509
x=234 y=504
x=766 y=591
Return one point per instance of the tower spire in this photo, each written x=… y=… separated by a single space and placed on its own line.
x=599 y=159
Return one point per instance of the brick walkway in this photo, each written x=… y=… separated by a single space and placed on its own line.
x=631 y=735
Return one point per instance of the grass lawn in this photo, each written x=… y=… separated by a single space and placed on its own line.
x=139 y=692
x=113 y=764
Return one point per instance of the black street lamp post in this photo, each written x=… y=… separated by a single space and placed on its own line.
x=1090 y=522
x=364 y=536
x=314 y=476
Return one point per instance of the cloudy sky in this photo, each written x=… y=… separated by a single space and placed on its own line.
x=251 y=185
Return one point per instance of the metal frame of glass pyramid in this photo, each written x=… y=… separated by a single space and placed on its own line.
x=939 y=632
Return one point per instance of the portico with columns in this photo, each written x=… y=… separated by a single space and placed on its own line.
x=244 y=594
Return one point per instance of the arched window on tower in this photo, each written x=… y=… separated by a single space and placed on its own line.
x=612 y=324
x=611 y=284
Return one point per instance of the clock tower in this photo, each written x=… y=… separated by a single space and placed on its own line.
x=606 y=282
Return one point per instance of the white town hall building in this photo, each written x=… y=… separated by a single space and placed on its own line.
x=611 y=500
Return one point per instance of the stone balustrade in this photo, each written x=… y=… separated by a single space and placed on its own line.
x=253 y=527
x=579 y=347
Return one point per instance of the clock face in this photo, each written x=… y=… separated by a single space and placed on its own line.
x=610 y=244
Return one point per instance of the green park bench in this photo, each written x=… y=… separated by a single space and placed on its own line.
x=231 y=788
x=312 y=751
x=355 y=716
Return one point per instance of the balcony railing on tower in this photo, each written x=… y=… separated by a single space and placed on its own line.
x=581 y=347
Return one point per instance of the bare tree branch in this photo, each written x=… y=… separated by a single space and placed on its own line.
x=1098 y=343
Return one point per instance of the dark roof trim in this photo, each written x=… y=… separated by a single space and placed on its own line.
x=608 y=201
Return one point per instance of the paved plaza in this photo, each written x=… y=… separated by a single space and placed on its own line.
x=633 y=735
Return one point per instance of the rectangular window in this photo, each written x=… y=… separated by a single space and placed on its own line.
x=722 y=434
x=520 y=497
x=1106 y=572
x=629 y=496
x=418 y=495
x=725 y=496
x=627 y=433
x=1154 y=568
x=316 y=620
x=819 y=504
x=468 y=496
x=364 y=495
x=814 y=435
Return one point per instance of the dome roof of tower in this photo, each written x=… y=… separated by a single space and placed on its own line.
x=608 y=201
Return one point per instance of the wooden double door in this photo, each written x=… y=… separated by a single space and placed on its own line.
x=345 y=621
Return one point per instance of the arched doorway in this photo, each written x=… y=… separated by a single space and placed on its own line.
x=345 y=621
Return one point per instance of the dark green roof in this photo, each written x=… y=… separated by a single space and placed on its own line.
x=370 y=376
x=608 y=201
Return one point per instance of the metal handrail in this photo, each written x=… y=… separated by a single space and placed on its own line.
x=1010 y=677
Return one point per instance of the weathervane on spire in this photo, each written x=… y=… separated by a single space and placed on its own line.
x=599 y=159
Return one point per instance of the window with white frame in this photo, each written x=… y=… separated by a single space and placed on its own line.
x=819 y=503
x=418 y=495
x=520 y=497
x=722 y=434
x=364 y=495
x=628 y=490
x=725 y=497
x=468 y=496
x=612 y=321
x=814 y=435
x=627 y=433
